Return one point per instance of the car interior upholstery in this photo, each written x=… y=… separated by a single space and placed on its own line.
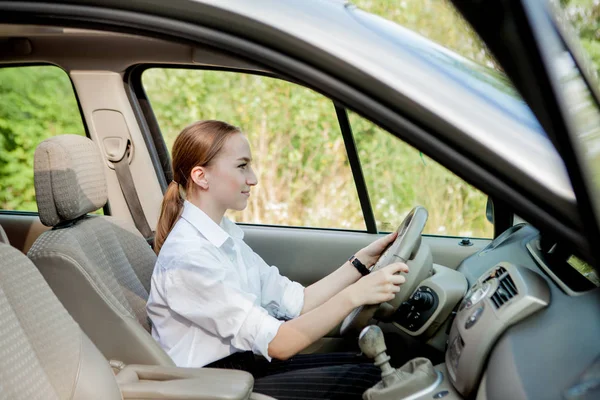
x=54 y=356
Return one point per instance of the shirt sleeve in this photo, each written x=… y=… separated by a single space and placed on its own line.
x=197 y=290
x=282 y=297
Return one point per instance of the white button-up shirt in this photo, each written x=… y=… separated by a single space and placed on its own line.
x=212 y=296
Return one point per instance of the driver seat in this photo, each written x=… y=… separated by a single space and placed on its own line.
x=98 y=266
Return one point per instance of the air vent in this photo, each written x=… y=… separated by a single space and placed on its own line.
x=506 y=290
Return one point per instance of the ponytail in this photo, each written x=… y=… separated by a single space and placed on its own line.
x=170 y=211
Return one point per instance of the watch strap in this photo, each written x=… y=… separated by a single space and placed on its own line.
x=359 y=266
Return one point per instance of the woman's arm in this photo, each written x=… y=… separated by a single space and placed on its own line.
x=323 y=290
x=295 y=335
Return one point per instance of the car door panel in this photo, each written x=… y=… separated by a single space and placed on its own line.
x=307 y=255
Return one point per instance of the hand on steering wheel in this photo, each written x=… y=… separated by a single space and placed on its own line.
x=371 y=253
x=404 y=247
x=379 y=286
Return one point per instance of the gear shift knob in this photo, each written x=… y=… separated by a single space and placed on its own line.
x=372 y=344
x=371 y=341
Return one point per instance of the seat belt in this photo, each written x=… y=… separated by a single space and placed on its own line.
x=121 y=163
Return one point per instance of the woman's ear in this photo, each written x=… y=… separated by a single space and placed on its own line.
x=198 y=175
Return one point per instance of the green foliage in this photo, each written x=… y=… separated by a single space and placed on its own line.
x=399 y=178
x=35 y=103
x=584 y=16
x=300 y=160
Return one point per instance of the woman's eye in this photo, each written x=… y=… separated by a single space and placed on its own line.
x=243 y=165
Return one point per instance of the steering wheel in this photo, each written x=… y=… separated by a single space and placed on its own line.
x=404 y=248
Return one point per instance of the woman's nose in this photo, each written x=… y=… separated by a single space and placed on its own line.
x=251 y=180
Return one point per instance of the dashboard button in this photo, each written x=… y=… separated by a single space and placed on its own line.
x=477 y=295
x=474 y=317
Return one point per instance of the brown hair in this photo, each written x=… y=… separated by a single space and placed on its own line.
x=196 y=145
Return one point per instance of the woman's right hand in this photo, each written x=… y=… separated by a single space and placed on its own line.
x=379 y=286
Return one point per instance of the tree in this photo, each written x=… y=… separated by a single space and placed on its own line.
x=35 y=103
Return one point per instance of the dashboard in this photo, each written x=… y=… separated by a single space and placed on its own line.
x=528 y=327
x=504 y=295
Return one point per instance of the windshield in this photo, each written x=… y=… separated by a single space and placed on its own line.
x=490 y=84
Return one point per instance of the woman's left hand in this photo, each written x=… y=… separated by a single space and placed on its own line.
x=370 y=254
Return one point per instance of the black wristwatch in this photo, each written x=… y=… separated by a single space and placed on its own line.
x=359 y=266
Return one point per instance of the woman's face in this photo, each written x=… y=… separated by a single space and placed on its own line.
x=230 y=175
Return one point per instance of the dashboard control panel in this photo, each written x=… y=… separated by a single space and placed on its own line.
x=417 y=310
x=502 y=296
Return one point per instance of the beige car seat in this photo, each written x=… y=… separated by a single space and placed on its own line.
x=98 y=266
x=43 y=353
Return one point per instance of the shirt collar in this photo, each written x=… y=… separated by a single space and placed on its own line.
x=214 y=233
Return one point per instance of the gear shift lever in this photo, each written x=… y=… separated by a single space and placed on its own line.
x=417 y=374
x=372 y=344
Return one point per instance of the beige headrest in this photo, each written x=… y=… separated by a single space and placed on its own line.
x=69 y=178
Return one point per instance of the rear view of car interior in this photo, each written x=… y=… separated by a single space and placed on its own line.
x=481 y=315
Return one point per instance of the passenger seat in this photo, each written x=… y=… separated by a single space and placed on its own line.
x=45 y=355
x=98 y=266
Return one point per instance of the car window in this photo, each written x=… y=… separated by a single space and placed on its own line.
x=304 y=177
x=36 y=102
x=399 y=178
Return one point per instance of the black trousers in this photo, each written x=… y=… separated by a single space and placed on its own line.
x=307 y=376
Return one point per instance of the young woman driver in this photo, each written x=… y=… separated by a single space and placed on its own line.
x=214 y=302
